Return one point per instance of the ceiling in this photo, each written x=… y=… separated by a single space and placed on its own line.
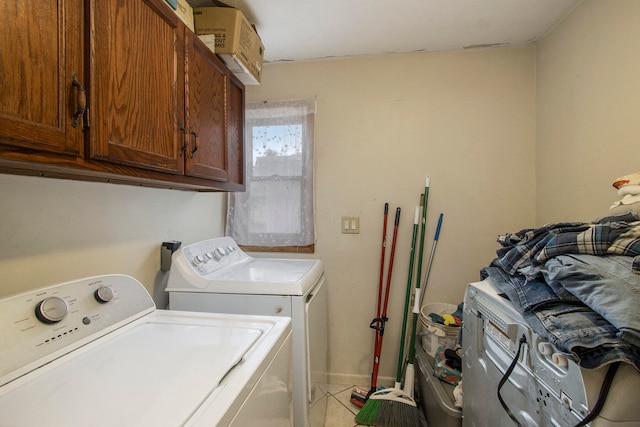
x=299 y=30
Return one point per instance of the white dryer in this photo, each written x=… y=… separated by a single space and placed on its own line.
x=215 y=275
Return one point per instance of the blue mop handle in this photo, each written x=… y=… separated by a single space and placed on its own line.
x=438 y=228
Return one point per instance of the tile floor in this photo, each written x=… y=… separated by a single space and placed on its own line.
x=340 y=411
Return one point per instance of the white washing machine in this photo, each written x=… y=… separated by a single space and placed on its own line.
x=215 y=275
x=97 y=352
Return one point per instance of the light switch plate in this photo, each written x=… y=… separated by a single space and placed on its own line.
x=350 y=225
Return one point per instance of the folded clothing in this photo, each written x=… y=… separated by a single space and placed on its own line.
x=631 y=179
x=628 y=190
x=626 y=201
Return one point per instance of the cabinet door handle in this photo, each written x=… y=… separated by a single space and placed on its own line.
x=184 y=145
x=195 y=143
x=81 y=101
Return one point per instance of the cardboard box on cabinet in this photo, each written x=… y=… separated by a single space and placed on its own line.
x=185 y=12
x=233 y=39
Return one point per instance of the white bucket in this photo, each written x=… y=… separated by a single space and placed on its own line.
x=436 y=335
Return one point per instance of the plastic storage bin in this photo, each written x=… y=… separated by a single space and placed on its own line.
x=436 y=397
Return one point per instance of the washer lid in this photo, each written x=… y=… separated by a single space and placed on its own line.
x=153 y=374
x=218 y=265
x=272 y=276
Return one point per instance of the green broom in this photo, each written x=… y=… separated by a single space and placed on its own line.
x=395 y=403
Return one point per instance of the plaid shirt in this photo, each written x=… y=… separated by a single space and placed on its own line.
x=533 y=247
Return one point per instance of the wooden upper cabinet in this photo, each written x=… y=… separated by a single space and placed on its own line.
x=118 y=91
x=41 y=45
x=205 y=107
x=235 y=133
x=137 y=84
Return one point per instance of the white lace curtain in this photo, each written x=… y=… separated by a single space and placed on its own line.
x=277 y=207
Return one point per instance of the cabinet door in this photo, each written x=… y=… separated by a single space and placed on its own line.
x=206 y=88
x=137 y=92
x=42 y=48
x=236 y=135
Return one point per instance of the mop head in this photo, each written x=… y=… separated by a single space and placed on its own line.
x=396 y=409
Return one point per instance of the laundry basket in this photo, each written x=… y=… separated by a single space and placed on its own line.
x=436 y=335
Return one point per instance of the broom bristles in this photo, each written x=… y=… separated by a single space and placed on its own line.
x=389 y=408
x=367 y=414
x=392 y=413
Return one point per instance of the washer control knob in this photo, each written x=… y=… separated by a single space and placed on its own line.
x=51 y=310
x=221 y=252
x=197 y=260
x=560 y=360
x=218 y=253
x=545 y=348
x=103 y=294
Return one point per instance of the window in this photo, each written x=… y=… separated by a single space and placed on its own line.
x=276 y=212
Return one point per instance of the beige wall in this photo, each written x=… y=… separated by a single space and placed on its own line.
x=466 y=119
x=588 y=110
x=56 y=230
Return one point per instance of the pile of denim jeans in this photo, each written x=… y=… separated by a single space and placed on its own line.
x=577 y=285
